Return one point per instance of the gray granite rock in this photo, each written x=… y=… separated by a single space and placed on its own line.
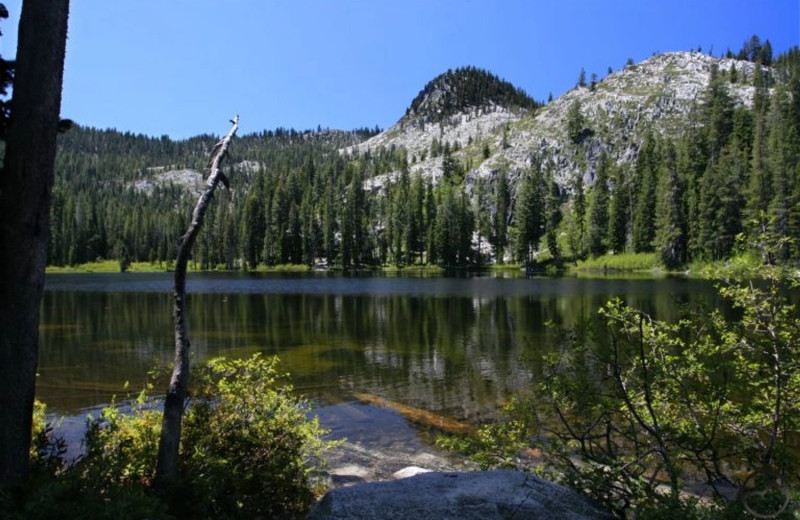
x=484 y=495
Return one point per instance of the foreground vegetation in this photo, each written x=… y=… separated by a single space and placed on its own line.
x=692 y=419
x=249 y=450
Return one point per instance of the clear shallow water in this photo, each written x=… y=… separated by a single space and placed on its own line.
x=458 y=347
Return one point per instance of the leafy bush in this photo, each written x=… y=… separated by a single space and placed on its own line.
x=121 y=447
x=103 y=484
x=502 y=444
x=635 y=413
x=249 y=450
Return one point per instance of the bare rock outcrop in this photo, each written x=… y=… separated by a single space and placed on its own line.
x=478 y=495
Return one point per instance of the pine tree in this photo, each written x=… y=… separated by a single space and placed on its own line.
x=582 y=78
x=329 y=223
x=529 y=213
x=576 y=123
x=253 y=228
x=619 y=211
x=414 y=234
x=670 y=239
x=718 y=108
x=784 y=162
x=502 y=200
x=552 y=216
x=577 y=218
x=598 y=209
x=483 y=224
x=720 y=204
x=759 y=190
x=430 y=221
x=646 y=171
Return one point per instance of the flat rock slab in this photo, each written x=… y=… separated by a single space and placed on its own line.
x=478 y=495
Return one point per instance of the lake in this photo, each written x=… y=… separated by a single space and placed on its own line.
x=455 y=346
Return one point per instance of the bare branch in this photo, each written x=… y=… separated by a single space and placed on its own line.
x=167 y=466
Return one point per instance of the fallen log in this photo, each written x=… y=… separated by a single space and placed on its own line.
x=418 y=415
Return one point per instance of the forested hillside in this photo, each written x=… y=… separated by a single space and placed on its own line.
x=466 y=177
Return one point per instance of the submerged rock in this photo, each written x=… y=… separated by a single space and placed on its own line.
x=484 y=495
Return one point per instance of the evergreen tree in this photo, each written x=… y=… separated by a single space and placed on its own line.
x=481 y=211
x=253 y=228
x=529 y=213
x=577 y=218
x=646 y=172
x=784 y=164
x=430 y=220
x=720 y=205
x=502 y=201
x=582 y=78
x=414 y=233
x=718 y=107
x=759 y=190
x=670 y=239
x=552 y=216
x=576 y=123
x=329 y=223
x=620 y=210
x=598 y=209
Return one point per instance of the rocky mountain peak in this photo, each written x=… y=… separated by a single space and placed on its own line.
x=463 y=90
x=494 y=126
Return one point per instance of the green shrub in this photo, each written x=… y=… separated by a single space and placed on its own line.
x=121 y=447
x=633 y=413
x=621 y=262
x=248 y=450
x=249 y=447
x=102 y=485
x=500 y=444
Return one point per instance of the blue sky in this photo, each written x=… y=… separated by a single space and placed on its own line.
x=184 y=67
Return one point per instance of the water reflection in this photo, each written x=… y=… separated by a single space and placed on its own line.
x=456 y=346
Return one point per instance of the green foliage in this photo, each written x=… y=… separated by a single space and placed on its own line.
x=598 y=209
x=646 y=172
x=624 y=262
x=249 y=447
x=576 y=219
x=121 y=447
x=643 y=409
x=108 y=483
x=500 y=444
x=670 y=237
x=576 y=123
x=706 y=398
x=529 y=214
x=502 y=203
x=249 y=450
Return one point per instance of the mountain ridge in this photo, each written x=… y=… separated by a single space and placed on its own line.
x=655 y=94
x=464 y=178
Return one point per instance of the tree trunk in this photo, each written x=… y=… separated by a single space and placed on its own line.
x=169 y=444
x=26 y=185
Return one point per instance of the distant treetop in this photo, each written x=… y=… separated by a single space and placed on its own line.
x=464 y=88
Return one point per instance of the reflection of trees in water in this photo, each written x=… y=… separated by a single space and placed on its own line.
x=459 y=355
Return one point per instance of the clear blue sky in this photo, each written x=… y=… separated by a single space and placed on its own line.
x=184 y=67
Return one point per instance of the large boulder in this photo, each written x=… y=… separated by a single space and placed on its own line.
x=478 y=495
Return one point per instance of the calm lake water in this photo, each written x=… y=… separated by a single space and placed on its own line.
x=458 y=347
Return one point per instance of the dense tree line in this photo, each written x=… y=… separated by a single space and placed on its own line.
x=296 y=199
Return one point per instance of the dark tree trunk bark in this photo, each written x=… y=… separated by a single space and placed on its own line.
x=26 y=185
x=169 y=444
